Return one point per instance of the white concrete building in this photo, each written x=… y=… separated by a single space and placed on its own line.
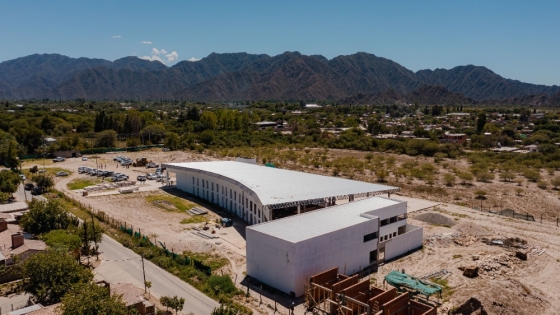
x=261 y=194
x=352 y=236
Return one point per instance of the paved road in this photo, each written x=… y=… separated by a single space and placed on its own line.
x=122 y=265
x=20 y=194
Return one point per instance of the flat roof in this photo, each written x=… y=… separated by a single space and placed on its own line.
x=279 y=186
x=311 y=224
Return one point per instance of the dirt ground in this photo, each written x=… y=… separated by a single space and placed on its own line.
x=505 y=285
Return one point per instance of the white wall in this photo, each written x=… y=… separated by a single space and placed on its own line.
x=270 y=260
x=343 y=248
x=402 y=244
x=237 y=199
x=285 y=265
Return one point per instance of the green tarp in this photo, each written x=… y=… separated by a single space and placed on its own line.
x=403 y=281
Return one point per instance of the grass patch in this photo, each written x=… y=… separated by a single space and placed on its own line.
x=195 y=219
x=447 y=291
x=170 y=203
x=50 y=170
x=81 y=183
x=457 y=256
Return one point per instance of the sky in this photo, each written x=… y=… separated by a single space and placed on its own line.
x=516 y=39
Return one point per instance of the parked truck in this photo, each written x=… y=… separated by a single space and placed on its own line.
x=141 y=162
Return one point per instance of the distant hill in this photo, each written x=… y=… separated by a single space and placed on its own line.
x=359 y=78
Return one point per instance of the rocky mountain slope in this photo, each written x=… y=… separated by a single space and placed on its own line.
x=357 y=78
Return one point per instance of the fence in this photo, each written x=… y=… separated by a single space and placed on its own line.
x=129 y=229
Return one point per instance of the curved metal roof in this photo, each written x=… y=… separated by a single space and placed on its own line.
x=274 y=186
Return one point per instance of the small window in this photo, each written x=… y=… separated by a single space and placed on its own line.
x=395 y=234
x=370 y=237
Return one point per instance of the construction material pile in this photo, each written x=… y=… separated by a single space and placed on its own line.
x=106 y=186
x=128 y=190
x=403 y=281
x=448 y=239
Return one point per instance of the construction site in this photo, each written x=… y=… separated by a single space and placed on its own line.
x=330 y=292
x=485 y=263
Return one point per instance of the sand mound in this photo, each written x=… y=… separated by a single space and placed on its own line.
x=471 y=228
x=435 y=218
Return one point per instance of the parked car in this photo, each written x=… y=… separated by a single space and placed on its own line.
x=141 y=178
x=59 y=159
x=22 y=177
x=166 y=150
x=36 y=191
x=42 y=171
x=62 y=174
x=152 y=165
x=84 y=158
x=29 y=186
x=151 y=176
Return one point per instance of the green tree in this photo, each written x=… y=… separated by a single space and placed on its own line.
x=9 y=182
x=171 y=141
x=532 y=175
x=449 y=179
x=555 y=182
x=507 y=176
x=224 y=310
x=45 y=216
x=465 y=177
x=90 y=299
x=480 y=122
x=52 y=274
x=44 y=181
x=106 y=139
x=209 y=120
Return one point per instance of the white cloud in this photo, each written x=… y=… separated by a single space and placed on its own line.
x=116 y=36
x=194 y=59
x=146 y=42
x=157 y=54
x=172 y=56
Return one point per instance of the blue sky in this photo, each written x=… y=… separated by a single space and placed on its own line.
x=516 y=39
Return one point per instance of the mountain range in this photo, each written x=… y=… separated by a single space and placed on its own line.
x=360 y=78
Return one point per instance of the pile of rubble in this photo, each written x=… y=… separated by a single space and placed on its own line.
x=448 y=239
x=463 y=239
x=495 y=265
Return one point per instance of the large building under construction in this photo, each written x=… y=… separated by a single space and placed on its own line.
x=260 y=194
x=300 y=223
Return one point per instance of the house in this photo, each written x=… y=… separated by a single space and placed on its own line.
x=312 y=106
x=454 y=137
x=13 y=242
x=133 y=297
x=531 y=148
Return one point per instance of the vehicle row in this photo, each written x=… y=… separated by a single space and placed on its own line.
x=123 y=160
x=116 y=177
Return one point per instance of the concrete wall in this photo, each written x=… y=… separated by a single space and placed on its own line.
x=286 y=266
x=402 y=244
x=271 y=260
x=223 y=192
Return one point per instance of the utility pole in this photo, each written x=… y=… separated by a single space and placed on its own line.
x=144 y=272
x=94 y=241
